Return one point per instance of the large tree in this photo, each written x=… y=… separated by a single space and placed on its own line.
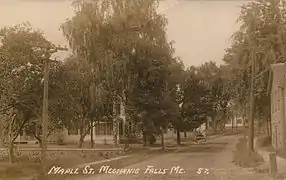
x=21 y=78
x=125 y=43
x=196 y=101
x=23 y=51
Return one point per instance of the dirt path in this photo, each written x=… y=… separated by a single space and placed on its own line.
x=213 y=158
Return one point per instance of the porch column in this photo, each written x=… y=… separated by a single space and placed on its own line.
x=115 y=125
x=24 y=134
x=122 y=116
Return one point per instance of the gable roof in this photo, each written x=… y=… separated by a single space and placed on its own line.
x=272 y=69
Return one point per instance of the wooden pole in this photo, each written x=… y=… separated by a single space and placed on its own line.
x=162 y=139
x=251 y=97
x=252 y=108
x=272 y=164
x=45 y=117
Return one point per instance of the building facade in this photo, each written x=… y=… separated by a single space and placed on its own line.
x=278 y=84
x=235 y=122
x=103 y=132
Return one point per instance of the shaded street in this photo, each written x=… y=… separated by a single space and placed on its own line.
x=211 y=161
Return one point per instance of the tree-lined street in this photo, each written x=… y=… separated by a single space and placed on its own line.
x=124 y=78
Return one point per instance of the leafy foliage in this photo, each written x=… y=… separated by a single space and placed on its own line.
x=261 y=38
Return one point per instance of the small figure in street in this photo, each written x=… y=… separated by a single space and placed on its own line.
x=200 y=137
x=195 y=133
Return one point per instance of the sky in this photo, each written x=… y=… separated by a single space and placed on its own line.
x=201 y=29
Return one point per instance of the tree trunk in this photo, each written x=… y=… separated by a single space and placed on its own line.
x=178 y=137
x=37 y=136
x=244 y=122
x=222 y=126
x=2 y=138
x=1 y=142
x=185 y=134
x=115 y=131
x=236 y=122
x=40 y=143
x=2 y=134
x=126 y=136
x=81 y=141
x=11 y=152
x=144 y=139
x=11 y=144
x=224 y=120
x=162 y=140
x=81 y=138
x=149 y=138
x=259 y=127
x=24 y=134
x=214 y=123
x=91 y=135
x=267 y=127
x=232 y=124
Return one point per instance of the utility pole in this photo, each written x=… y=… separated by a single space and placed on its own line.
x=251 y=97
x=252 y=108
x=45 y=116
x=47 y=60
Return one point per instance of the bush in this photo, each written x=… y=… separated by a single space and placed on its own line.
x=60 y=139
x=243 y=157
x=263 y=141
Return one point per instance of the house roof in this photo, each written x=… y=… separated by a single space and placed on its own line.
x=273 y=67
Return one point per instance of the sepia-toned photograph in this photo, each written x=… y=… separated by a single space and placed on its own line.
x=142 y=89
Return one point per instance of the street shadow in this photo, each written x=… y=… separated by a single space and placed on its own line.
x=203 y=148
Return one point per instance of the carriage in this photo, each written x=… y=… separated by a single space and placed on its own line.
x=200 y=138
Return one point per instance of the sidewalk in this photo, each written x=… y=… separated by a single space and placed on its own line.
x=281 y=162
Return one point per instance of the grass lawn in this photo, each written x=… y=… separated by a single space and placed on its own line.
x=244 y=158
x=28 y=163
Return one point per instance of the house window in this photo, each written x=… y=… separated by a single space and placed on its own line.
x=130 y=127
x=103 y=128
x=272 y=104
x=278 y=100
x=275 y=101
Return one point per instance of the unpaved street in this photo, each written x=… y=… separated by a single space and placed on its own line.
x=211 y=161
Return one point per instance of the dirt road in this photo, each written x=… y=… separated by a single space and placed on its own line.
x=210 y=161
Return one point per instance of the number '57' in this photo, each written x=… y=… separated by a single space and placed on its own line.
x=203 y=171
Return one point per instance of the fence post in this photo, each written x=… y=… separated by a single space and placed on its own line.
x=272 y=164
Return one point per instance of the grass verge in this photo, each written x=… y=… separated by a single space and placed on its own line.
x=28 y=163
x=243 y=157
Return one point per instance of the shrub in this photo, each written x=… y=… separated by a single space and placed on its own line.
x=263 y=141
x=243 y=157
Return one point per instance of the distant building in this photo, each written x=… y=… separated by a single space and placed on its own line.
x=103 y=132
x=278 y=84
x=236 y=122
